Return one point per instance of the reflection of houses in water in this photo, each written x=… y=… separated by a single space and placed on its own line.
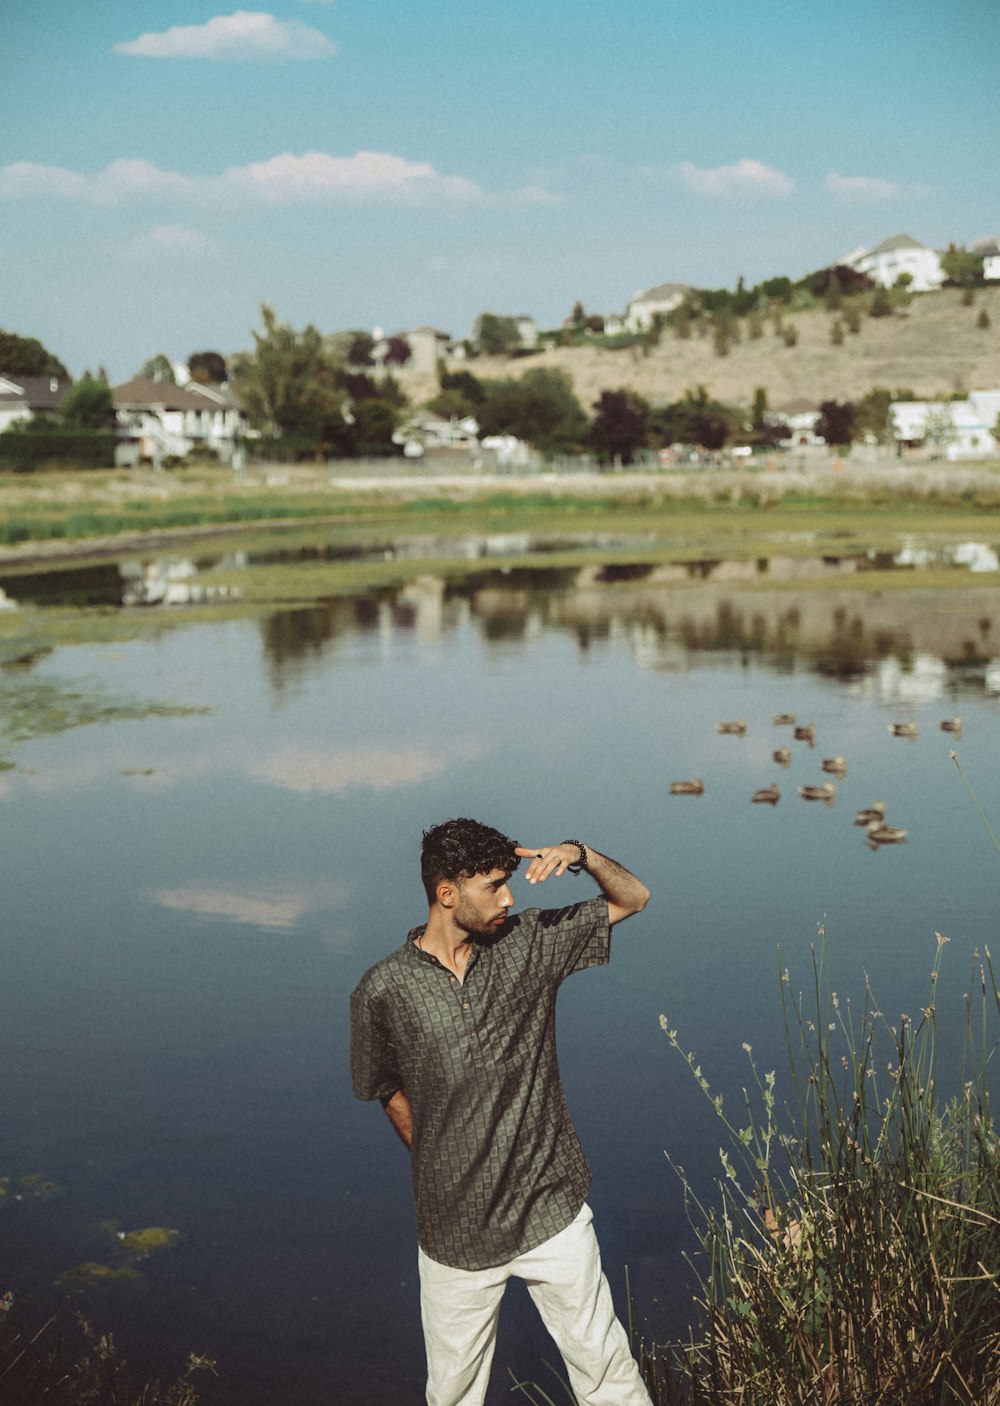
x=167 y=582
x=923 y=679
x=974 y=556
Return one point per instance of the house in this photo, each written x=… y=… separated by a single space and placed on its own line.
x=24 y=397
x=801 y=417
x=990 y=250
x=428 y=346
x=900 y=254
x=955 y=429
x=427 y=433
x=157 y=420
x=645 y=305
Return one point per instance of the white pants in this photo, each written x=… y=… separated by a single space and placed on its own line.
x=461 y=1308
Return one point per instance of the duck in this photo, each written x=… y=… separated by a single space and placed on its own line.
x=687 y=788
x=826 y=792
x=783 y=719
x=903 y=730
x=871 y=815
x=769 y=796
x=879 y=834
x=738 y=728
x=834 y=766
x=955 y=725
x=805 y=732
x=783 y=756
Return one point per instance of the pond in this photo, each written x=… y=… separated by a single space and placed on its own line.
x=196 y=880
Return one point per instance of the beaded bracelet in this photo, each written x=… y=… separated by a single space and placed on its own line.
x=582 y=861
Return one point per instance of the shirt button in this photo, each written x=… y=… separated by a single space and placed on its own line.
x=465 y=1005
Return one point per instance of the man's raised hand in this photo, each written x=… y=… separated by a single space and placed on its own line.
x=548 y=859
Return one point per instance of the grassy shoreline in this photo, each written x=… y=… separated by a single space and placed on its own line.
x=66 y=515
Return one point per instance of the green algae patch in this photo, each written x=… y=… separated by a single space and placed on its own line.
x=151 y=1241
x=90 y=1275
x=33 y=708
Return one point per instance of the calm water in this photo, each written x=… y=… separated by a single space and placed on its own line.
x=188 y=903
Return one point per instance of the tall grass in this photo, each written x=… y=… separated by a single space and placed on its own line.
x=853 y=1253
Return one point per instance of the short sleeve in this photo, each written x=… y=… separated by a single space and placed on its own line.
x=572 y=939
x=374 y=1067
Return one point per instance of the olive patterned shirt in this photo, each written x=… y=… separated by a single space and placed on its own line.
x=497 y=1165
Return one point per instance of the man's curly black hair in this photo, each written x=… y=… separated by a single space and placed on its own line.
x=457 y=849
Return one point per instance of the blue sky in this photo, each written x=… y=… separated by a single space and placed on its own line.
x=166 y=165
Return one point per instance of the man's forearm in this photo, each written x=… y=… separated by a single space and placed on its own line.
x=400 y=1115
x=625 y=893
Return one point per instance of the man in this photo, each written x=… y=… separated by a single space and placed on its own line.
x=455 y=1033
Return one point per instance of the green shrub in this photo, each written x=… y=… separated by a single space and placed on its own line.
x=854 y=1254
x=24 y=452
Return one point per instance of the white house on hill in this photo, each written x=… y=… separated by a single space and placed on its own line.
x=663 y=298
x=900 y=254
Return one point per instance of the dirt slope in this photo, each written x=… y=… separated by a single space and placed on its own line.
x=935 y=348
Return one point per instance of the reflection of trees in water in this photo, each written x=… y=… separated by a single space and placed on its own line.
x=291 y=636
x=842 y=634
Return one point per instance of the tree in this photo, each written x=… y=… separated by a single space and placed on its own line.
x=983 y=320
x=375 y=420
x=962 y=268
x=25 y=356
x=697 y=419
x=88 y=405
x=540 y=408
x=874 y=414
x=398 y=351
x=837 y=423
x=158 y=368
x=578 y=315
x=496 y=336
x=359 y=351
x=207 y=368
x=837 y=333
x=466 y=384
x=834 y=295
x=620 y=426
x=881 y=303
x=289 y=384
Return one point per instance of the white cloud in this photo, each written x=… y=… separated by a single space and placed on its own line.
x=746 y=176
x=244 y=35
x=244 y=905
x=372 y=769
x=178 y=239
x=861 y=187
x=286 y=179
x=117 y=182
x=316 y=175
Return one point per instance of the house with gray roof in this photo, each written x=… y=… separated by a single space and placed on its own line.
x=159 y=420
x=644 y=306
x=24 y=397
x=899 y=254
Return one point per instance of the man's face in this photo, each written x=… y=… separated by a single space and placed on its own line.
x=484 y=902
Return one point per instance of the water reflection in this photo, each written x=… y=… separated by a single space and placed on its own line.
x=166 y=580
x=904 y=646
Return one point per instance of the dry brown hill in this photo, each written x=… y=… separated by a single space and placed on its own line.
x=933 y=348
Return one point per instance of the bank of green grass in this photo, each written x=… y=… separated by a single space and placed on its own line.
x=79 y=508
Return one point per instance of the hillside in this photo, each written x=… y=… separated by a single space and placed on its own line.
x=933 y=348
